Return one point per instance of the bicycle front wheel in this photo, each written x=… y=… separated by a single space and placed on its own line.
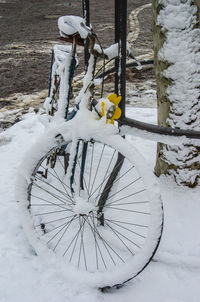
x=90 y=206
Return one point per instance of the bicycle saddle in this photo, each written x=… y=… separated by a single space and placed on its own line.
x=70 y=25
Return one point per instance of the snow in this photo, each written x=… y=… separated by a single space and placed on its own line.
x=112 y=51
x=69 y=25
x=178 y=20
x=173 y=276
x=62 y=57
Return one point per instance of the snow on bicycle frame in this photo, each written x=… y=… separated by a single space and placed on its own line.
x=72 y=29
x=70 y=25
x=106 y=259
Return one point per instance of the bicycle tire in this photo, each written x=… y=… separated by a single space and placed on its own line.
x=65 y=227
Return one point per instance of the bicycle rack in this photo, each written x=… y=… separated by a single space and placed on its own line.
x=120 y=80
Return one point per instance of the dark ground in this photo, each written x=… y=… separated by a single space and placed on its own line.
x=28 y=29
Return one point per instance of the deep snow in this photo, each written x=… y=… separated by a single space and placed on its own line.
x=173 y=276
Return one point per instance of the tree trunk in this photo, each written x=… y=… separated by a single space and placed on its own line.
x=176 y=35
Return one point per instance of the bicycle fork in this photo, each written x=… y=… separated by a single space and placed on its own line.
x=109 y=184
x=108 y=187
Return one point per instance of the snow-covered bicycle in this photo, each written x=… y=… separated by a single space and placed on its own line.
x=88 y=198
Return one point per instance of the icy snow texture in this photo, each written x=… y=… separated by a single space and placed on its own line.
x=60 y=67
x=69 y=25
x=181 y=50
x=173 y=277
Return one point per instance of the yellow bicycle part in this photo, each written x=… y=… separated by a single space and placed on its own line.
x=113 y=98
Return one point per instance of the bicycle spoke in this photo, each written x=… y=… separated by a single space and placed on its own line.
x=97 y=169
x=61 y=225
x=60 y=181
x=72 y=253
x=48 y=213
x=95 y=241
x=79 y=255
x=85 y=261
x=128 y=229
x=50 y=193
x=127 y=210
x=55 y=220
x=42 y=180
x=127 y=239
x=102 y=258
x=106 y=244
x=126 y=203
x=133 y=254
x=57 y=227
x=77 y=234
x=45 y=205
x=59 y=230
x=116 y=180
x=134 y=181
x=128 y=223
x=118 y=165
x=82 y=247
x=63 y=234
x=49 y=203
x=63 y=184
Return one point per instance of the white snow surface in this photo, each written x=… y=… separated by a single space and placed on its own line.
x=174 y=276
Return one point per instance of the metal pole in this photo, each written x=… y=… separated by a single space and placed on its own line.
x=117 y=30
x=86 y=16
x=120 y=37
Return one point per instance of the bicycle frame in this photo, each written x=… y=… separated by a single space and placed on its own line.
x=125 y=125
x=86 y=167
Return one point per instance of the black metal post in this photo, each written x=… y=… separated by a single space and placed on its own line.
x=117 y=25
x=86 y=16
x=120 y=37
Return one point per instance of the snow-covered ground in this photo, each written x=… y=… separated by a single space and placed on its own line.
x=173 y=276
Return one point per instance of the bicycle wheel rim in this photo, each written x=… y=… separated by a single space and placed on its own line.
x=128 y=270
